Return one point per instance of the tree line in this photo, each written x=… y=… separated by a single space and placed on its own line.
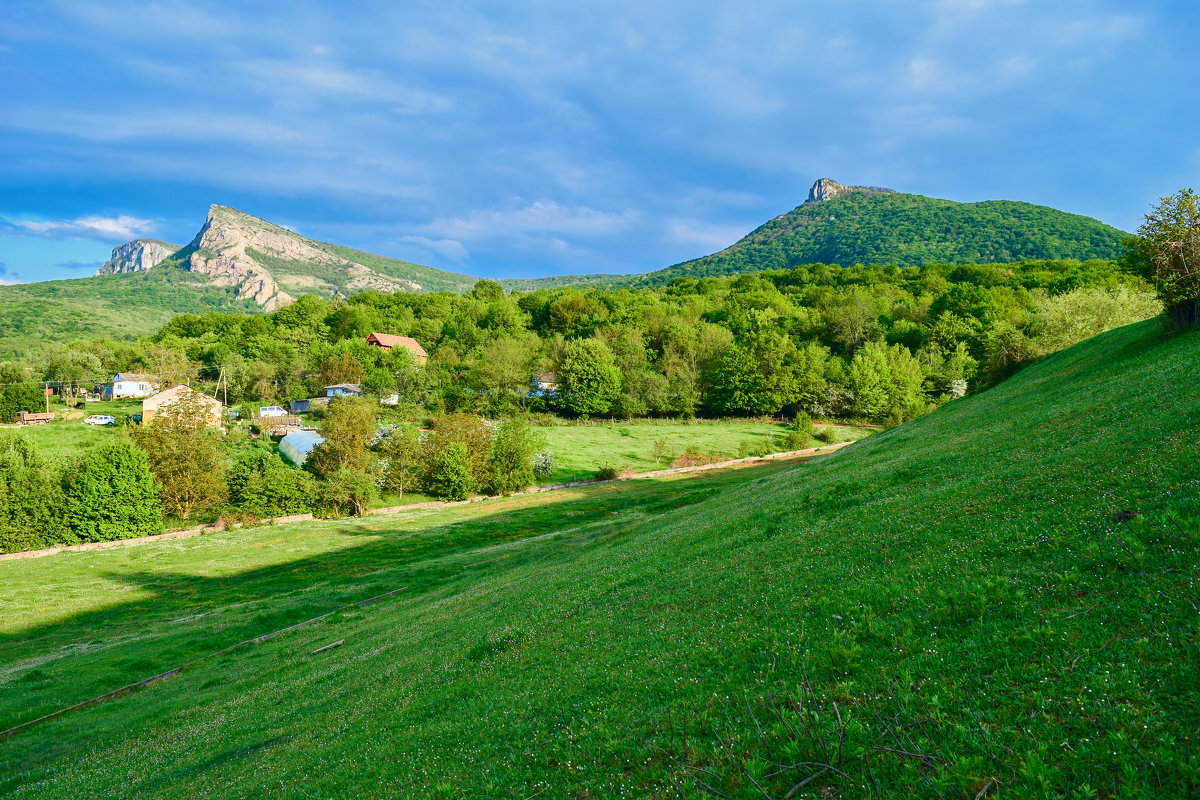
x=880 y=344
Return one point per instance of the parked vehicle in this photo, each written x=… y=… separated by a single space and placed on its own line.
x=99 y=419
x=271 y=411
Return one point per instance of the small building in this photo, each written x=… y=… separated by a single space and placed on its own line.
x=34 y=418
x=131 y=384
x=297 y=445
x=543 y=384
x=302 y=406
x=392 y=399
x=343 y=390
x=211 y=407
x=387 y=341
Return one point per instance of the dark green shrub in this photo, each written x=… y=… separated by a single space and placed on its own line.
x=111 y=495
x=261 y=485
x=514 y=447
x=606 y=473
x=825 y=434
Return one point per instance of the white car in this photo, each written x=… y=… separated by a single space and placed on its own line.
x=271 y=411
x=99 y=419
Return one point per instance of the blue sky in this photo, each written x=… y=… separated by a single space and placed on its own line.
x=521 y=139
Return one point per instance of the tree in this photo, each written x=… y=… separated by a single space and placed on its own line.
x=340 y=369
x=588 y=381
x=30 y=498
x=467 y=430
x=349 y=425
x=184 y=456
x=1166 y=252
x=262 y=485
x=400 y=450
x=349 y=490
x=514 y=446
x=449 y=474
x=18 y=393
x=111 y=495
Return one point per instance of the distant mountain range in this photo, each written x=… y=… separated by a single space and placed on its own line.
x=240 y=261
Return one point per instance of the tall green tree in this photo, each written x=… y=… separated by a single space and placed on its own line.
x=348 y=427
x=184 y=455
x=588 y=381
x=514 y=446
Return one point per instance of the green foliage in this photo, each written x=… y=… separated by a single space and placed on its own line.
x=449 y=475
x=346 y=491
x=17 y=393
x=1166 y=252
x=606 y=473
x=908 y=230
x=348 y=427
x=111 y=494
x=31 y=501
x=400 y=451
x=800 y=435
x=589 y=383
x=515 y=446
x=262 y=485
x=184 y=456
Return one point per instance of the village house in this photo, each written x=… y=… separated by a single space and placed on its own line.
x=131 y=384
x=211 y=407
x=387 y=341
x=343 y=390
x=543 y=384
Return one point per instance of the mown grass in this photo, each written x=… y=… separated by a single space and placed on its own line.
x=996 y=599
x=580 y=450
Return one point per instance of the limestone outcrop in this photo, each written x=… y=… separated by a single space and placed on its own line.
x=138 y=255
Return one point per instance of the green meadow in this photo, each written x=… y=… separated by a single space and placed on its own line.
x=996 y=599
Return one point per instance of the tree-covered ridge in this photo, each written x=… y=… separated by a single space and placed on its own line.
x=865 y=227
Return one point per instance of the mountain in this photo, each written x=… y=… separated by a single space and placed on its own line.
x=849 y=225
x=271 y=265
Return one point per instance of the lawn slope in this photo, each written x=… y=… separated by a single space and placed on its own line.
x=998 y=598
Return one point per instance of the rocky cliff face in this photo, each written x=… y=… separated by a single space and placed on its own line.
x=219 y=251
x=230 y=244
x=137 y=255
x=828 y=189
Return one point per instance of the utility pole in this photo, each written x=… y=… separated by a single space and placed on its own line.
x=222 y=384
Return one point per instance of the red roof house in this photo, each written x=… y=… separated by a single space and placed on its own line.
x=387 y=341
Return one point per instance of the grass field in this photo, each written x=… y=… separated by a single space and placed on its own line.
x=580 y=450
x=997 y=599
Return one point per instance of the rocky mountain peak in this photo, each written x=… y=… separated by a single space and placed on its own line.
x=828 y=189
x=138 y=255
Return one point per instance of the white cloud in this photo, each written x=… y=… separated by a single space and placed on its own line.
x=91 y=227
x=704 y=235
x=542 y=217
x=447 y=248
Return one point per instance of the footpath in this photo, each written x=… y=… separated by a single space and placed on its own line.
x=202 y=529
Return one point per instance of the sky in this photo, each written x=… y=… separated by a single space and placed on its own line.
x=524 y=139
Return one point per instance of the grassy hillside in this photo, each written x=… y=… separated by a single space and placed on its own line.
x=119 y=306
x=998 y=598
x=866 y=227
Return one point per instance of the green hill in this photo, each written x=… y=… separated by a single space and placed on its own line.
x=850 y=225
x=117 y=306
x=997 y=599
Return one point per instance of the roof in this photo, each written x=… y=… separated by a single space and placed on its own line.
x=177 y=392
x=302 y=441
x=545 y=377
x=390 y=340
x=134 y=376
x=350 y=387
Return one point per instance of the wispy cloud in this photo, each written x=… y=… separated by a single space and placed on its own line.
x=89 y=227
x=447 y=248
x=8 y=278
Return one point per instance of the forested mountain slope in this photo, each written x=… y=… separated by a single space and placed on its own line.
x=850 y=225
x=995 y=599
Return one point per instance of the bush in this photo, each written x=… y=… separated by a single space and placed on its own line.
x=694 y=457
x=30 y=499
x=261 y=485
x=514 y=447
x=606 y=473
x=111 y=495
x=450 y=475
x=543 y=464
x=825 y=434
x=800 y=435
